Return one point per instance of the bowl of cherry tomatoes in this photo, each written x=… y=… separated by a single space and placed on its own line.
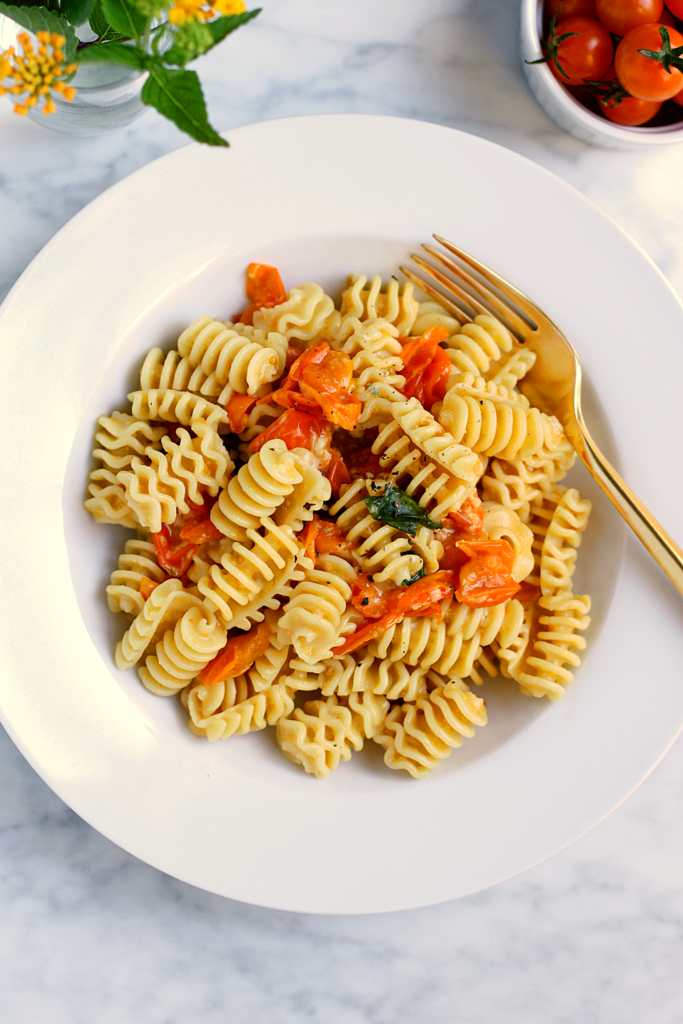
x=610 y=72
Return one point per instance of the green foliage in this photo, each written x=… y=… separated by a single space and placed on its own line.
x=77 y=11
x=121 y=24
x=151 y=8
x=178 y=95
x=101 y=27
x=192 y=39
x=116 y=53
x=124 y=18
x=40 y=19
x=398 y=509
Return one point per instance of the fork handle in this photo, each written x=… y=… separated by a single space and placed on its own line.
x=661 y=546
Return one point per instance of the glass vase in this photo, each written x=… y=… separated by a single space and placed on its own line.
x=108 y=96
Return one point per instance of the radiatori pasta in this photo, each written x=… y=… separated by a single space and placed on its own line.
x=347 y=519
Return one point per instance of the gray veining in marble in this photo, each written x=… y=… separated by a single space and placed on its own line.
x=92 y=936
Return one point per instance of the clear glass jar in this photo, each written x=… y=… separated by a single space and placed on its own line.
x=108 y=96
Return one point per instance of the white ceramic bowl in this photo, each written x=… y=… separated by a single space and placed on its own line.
x=567 y=112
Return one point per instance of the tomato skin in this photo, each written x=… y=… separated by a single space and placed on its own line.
x=620 y=16
x=678 y=98
x=631 y=112
x=586 y=55
x=238 y=655
x=676 y=7
x=485 y=578
x=264 y=290
x=299 y=430
x=570 y=9
x=642 y=76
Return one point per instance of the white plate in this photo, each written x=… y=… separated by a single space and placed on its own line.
x=320 y=197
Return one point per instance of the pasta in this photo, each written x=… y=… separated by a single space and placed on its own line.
x=343 y=524
x=372 y=300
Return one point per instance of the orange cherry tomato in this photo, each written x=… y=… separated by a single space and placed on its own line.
x=470 y=516
x=620 y=16
x=147 y=587
x=237 y=656
x=299 y=430
x=426 y=367
x=678 y=98
x=264 y=290
x=337 y=473
x=325 y=537
x=367 y=598
x=570 y=9
x=485 y=578
x=584 y=55
x=238 y=409
x=201 y=533
x=370 y=631
x=420 y=598
x=630 y=111
x=644 y=77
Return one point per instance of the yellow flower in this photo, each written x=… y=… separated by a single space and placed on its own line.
x=202 y=10
x=36 y=74
x=228 y=6
x=187 y=10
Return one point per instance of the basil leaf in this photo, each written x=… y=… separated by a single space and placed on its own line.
x=415 y=577
x=40 y=19
x=396 y=508
x=178 y=96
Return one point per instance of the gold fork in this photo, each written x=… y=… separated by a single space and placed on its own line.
x=553 y=383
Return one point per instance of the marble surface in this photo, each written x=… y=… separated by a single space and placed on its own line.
x=90 y=934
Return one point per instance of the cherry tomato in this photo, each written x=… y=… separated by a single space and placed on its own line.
x=426 y=367
x=585 y=55
x=323 y=377
x=337 y=472
x=470 y=515
x=620 y=107
x=678 y=98
x=420 y=598
x=667 y=19
x=299 y=430
x=238 y=655
x=485 y=578
x=238 y=409
x=676 y=7
x=264 y=290
x=570 y=9
x=620 y=16
x=630 y=111
x=644 y=77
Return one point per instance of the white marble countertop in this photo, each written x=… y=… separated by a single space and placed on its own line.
x=90 y=934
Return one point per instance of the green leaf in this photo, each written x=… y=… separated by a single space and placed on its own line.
x=101 y=27
x=396 y=508
x=115 y=53
x=415 y=577
x=124 y=17
x=77 y=11
x=222 y=27
x=178 y=96
x=39 y=19
x=191 y=43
